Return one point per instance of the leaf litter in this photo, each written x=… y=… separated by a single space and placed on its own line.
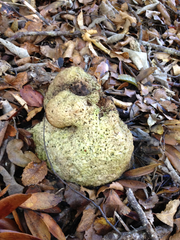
x=132 y=48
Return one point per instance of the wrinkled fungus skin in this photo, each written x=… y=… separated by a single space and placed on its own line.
x=86 y=141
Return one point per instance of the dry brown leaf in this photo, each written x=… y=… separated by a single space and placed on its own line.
x=9 y=224
x=53 y=227
x=15 y=154
x=34 y=173
x=167 y=216
x=14 y=187
x=161 y=8
x=31 y=48
x=36 y=225
x=113 y=185
x=4 y=66
x=86 y=220
x=32 y=97
x=41 y=201
x=173 y=158
x=141 y=171
x=33 y=113
x=132 y=184
x=114 y=203
x=101 y=227
x=11 y=235
x=90 y=234
x=10 y=203
x=176 y=236
x=10 y=131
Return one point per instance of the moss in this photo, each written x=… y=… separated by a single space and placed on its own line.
x=93 y=146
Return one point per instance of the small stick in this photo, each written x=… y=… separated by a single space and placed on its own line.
x=6 y=4
x=121 y=221
x=135 y=205
x=43 y=33
x=171 y=51
x=34 y=11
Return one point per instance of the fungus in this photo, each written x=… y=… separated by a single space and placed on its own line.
x=86 y=140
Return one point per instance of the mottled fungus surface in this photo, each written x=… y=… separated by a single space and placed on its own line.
x=86 y=140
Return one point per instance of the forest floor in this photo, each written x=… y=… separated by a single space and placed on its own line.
x=132 y=48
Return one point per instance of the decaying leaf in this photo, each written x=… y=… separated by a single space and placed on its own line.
x=9 y=180
x=10 y=203
x=87 y=219
x=41 y=200
x=101 y=226
x=34 y=173
x=142 y=170
x=36 y=225
x=32 y=97
x=53 y=227
x=15 y=154
x=11 y=235
x=167 y=216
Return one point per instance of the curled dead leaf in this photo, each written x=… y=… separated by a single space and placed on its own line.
x=167 y=216
x=15 y=154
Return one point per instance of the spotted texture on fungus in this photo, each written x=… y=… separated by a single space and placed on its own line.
x=87 y=142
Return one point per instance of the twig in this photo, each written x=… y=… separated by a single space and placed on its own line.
x=176 y=13
x=138 y=20
x=168 y=168
x=66 y=184
x=135 y=205
x=158 y=64
x=171 y=51
x=6 y=4
x=43 y=33
x=34 y=11
x=121 y=221
x=172 y=76
x=28 y=65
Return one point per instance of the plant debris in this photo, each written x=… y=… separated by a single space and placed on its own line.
x=132 y=49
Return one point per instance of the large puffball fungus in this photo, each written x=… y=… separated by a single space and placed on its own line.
x=86 y=140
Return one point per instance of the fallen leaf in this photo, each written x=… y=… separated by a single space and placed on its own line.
x=132 y=184
x=86 y=220
x=167 y=216
x=32 y=97
x=114 y=203
x=74 y=199
x=137 y=172
x=34 y=173
x=9 y=180
x=33 y=113
x=41 y=200
x=10 y=131
x=12 y=235
x=9 y=224
x=15 y=154
x=36 y=225
x=101 y=227
x=19 y=81
x=10 y=203
x=53 y=227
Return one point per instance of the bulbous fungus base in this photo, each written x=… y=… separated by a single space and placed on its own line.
x=87 y=142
